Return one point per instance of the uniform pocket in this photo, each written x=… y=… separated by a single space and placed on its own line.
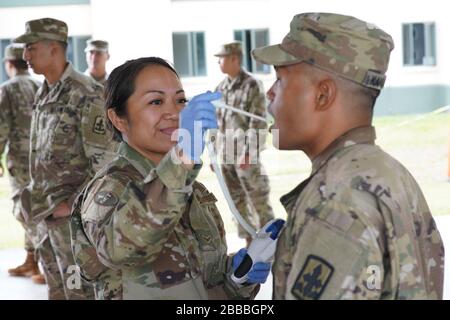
x=64 y=127
x=57 y=127
x=209 y=235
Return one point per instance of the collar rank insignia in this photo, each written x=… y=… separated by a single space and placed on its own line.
x=209 y=198
x=106 y=198
x=312 y=279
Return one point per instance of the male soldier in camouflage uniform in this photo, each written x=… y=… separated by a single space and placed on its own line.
x=69 y=142
x=241 y=139
x=359 y=227
x=96 y=56
x=16 y=107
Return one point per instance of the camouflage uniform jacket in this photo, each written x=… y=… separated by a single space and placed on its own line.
x=69 y=142
x=245 y=93
x=16 y=106
x=141 y=231
x=358 y=228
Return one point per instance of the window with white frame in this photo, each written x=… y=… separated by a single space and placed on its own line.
x=419 y=44
x=75 y=52
x=251 y=39
x=3 y=44
x=189 y=54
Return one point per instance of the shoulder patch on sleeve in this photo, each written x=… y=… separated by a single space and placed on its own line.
x=312 y=279
x=99 y=125
x=106 y=198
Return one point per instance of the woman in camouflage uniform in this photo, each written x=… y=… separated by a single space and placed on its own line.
x=143 y=228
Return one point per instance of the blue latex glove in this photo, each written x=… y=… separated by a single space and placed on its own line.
x=275 y=228
x=258 y=273
x=195 y=119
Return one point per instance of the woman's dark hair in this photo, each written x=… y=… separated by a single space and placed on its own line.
x=120 y=86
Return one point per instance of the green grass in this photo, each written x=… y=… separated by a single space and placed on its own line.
x=421 y=146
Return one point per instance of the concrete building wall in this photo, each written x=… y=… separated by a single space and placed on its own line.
x=77 y=17
x=134 y=28
x=138 y=28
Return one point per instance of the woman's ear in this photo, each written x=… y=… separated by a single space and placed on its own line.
x=120 y=123
x=326 y=94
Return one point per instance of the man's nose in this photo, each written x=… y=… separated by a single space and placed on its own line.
x=25 y=54
x=269 y=94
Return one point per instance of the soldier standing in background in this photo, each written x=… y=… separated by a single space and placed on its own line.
x=16 y=107
x=359 y=227
x=96 y=56
x=69 y=142
x=243 y=172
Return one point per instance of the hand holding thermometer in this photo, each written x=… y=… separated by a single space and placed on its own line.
x=263 y=246
x=262 y=249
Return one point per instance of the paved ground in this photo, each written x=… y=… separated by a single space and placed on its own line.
x=24 y=289
x=17 y=288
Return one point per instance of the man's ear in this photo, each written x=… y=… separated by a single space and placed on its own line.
x=54 y=48
x=120 y=123
x=326 y=94
x=235 y=58
x=8 y=65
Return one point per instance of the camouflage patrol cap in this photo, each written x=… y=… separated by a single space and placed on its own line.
x=13 y=51
x=229 y=49
x=96 y=45
x=344 y=45
x=44 y=29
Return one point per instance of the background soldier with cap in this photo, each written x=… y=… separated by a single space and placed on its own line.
x=16 y=107
x=69 y=142
x=359 y=227
x=96 y=56
x=244 y=174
